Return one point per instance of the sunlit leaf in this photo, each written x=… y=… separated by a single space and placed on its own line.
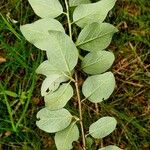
x=46 y=8
x=78 y=2
x=96 y=36
x=46 y=68
x=110 y=147
x=97 y=88
x=97 y=62
x=37 y=32
x=102 y=127
x=62 y=52
x=53 y=121
x=51 y=83
x=59 y=98
x=95 y=12
x=64 y=138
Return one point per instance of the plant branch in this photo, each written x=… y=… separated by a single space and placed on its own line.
x=80 y=111
x=76 y=79
x=68 y=19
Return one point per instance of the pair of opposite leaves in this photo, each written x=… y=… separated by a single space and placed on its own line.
x=60 y=121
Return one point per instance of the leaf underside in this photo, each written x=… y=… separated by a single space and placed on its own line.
x=51 y=83
x=97 y=88
x=59 y=98
x=53 y=121
x=78 y=2
x=97 y=62
x=110 y=147
x=85 y=14
x=102 y=127
x=62 y=52
x=96 y=36
x=37 y=32
x=46 y=8
x=64 y=139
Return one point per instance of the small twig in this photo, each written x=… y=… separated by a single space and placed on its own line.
x=131 y=83
x=80 y=111
x=97 y=109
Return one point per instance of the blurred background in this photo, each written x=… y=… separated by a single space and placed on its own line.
x=20 y=97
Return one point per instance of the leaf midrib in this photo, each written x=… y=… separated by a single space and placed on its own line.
x=96 y=128
x=91 y=13
x=90 y=40
x=98 y=87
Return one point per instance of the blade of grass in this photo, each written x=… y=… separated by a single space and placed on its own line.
x=10 y=27
x=8 y=108
x=28 y=101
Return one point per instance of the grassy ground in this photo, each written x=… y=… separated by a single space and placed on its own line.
x=20 y=87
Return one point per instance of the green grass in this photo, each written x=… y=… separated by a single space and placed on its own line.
x=20 y=87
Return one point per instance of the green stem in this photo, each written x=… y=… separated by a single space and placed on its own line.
x=81 y=57
x=68 y=19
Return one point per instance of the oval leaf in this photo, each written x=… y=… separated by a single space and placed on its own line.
x=62 y=52
x=59 y=98
x=53 y=121
x=99 y=87
x=51 y=83
x=97 y=62
x=102 y=127
x=110 y=147
x=46 y=8
x=64 y=139
x=95 y=12
x=46 y=68
x=96 y=36
x=37 y=32
x=78 y=2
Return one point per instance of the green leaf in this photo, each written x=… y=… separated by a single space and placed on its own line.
x=78 y=2
x=95 y=12
x=89 y=143
x=97 y=62
x=10 y=93
x=64 y=139
x=53 y=121
x=37 y=32
x=96 y=36
x=99 y=87
x=51 y=83
x=102 y=127
x=46 y=68
x=110 y=147
x=59 y=98
x=62 y=52
x=46 y=8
